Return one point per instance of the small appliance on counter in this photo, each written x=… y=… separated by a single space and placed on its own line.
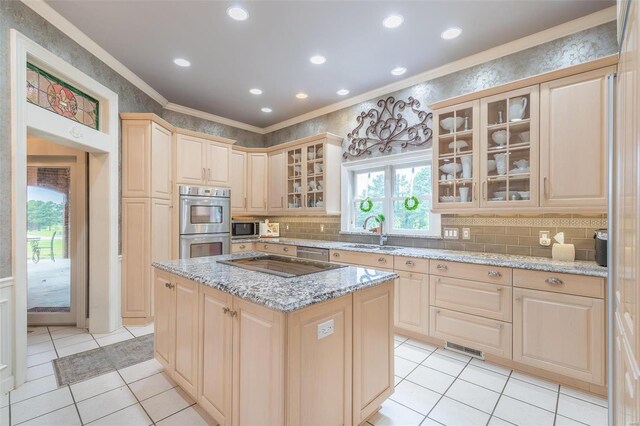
x=601 y=237
x=269 y=230
x=244 y=229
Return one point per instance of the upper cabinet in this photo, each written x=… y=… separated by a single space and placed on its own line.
x=257 y=169
x=277 y=181
x=202 y=161
x=238 y=181
x=573 y=141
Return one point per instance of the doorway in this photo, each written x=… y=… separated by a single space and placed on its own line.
x=56 y=234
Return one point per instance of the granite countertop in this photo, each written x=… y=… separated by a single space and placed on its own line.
x=272 y=291
x=578 y=267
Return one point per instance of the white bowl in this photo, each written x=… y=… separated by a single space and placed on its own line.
x=491 y=165
x=499 y=137
x=448 y=123
x=458 y=145
x=451 y=168
x=525 y=195
x=524 y=136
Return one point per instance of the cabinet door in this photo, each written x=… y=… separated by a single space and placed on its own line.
x=215 y=354
x=190 y=160
x=472 y=297
x=136 y=286
x=186 y=334
x=258 y=364
x=560 y=333
x=238 y=181
x=277 y=181
x=163 y=339
x=573 y=141
x=135 y=158
x=412 y=302
x=160 y=245
x=257 y=191
x=218 y=161
x=161 y=159
x=295 y=180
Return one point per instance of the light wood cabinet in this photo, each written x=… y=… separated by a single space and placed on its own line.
x=257 y=168
x=242 y=247
x=185 y=294
x=163 y=325
x=285 y=250
x=378 y=261
x=238 y=181
x=472 y=297
x=412 y=302
x=136 y=260
x=579 y=285
x=202 y=161
x=468 y=271
x=573 y=141
x=560 y=333
x=277 y=181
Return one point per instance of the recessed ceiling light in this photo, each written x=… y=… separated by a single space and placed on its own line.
x=393 y=21
x=318 y=59
x=182 y=62
x=265 y=109
x=302 y=95
x=398 y=70
x=255 y=91
x=451 y=33
x=237 y=13
x=342 y=92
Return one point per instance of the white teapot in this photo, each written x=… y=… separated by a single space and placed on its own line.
x=517 y=107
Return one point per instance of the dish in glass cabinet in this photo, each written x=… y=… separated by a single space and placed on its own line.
x=499 y=137
x=449 y=123
x=491 y=165
x=500 y=195
x=451 y=168
x=517 y=171
x=449 y=199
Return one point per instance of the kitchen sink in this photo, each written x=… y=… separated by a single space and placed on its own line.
x=372 y=247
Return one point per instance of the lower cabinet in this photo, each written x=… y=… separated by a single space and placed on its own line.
x=561 y=333
x=242 y=247
x=412 y=302
x=163 y=299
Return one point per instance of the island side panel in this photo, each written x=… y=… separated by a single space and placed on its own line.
x=320 y=365
x=373 y=371
x=186 y=335
x=163 y=343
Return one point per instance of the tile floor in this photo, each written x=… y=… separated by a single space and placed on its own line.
x=433 y=387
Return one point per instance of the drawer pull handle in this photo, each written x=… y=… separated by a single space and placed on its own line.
x=242 y=246
x=336 y=254
x=494 y=274
x=265 y=246
x=286 y=249
x=167 y=285
x=225 y=310
x=441 y=267
x=554 y=281
x=233 y=313
x=499 y=289
x=382 y=259
x=410 y=263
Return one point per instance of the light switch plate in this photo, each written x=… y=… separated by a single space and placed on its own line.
x=325 y=329
x=450 y=233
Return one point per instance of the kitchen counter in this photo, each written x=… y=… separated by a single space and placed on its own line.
x=275 y=292
x=578 y=267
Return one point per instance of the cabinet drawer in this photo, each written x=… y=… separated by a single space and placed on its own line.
x=487 y=335
x=411 y=264
x=559 y=283
x=276 y=249
x=468 y=271
x=240 y=247
x=362 y=259
x=476 y=298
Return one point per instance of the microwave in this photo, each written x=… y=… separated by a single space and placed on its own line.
x=245 y=229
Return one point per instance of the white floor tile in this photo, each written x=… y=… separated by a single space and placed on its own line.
x=39 y=405
x=585 y=396
x=421 y=345
x=192 y=416
x=400 y=338
x=140 y=371
x=4 y=415
x=454 y=355
x=40 y=347
x=35 y=330
x=476 y=396
x=412 y=353
x=535 y=380
x=393 y=413
x=34 y=388
x=484 y=378
x=396 y=380
x=95 y=386
x=77 y=348
x=39 y=371
x=450 y=412
x=166 y=404
x=133 y=415
x=151 y=386
x=495 y=421
x=490 y=366
x=41 y=358
x=416 y=397
x=444 y=364
x=430 y=422
x=4 y=400
x=67 y=416
x=431 y=379
x=106 y=403
x=521 y=413
x=141 y=330
x=74 y=339
x=114 y=338
x=583 y=411
x=114 y=332
x=402 y=367
x=396 y=344
x=34 y=339
x=535 y=395
x=60 y=332
x=565 y=421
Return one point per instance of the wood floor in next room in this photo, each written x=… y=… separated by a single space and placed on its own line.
x=433 y=386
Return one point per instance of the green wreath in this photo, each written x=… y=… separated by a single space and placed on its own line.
x=366 y=205
x=411 y=203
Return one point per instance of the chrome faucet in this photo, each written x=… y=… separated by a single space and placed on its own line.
x=383 y=238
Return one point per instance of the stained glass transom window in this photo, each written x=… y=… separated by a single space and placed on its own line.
x=53 y=94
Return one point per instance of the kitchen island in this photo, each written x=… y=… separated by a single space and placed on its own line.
x=257 y=348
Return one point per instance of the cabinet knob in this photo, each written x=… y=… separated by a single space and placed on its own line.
x=410 y=263
x=382 y=260
x=167 y=285
x=233 y=313
x=336 y=254
x=242 y=246
x=265 y=246
x=285 y=249
x=494 y=274
x=554 y=281
x=225 y=310
x=499 y=289
x=441 y=267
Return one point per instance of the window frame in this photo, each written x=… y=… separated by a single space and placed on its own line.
x=388 y=163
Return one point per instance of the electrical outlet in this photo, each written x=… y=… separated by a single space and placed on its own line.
x=451 y=233
x=545 y=238
x=325 y=329
x=466 y=233
x=286 y=227
x=321 y=228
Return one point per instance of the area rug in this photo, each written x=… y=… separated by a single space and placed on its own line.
x=95 y=362
x=49 y=309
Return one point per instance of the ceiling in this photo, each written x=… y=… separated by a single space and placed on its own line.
x=271 y=49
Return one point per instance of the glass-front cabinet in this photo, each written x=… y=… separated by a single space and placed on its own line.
x=509 y=149
x=456 y=154
x=306 y=177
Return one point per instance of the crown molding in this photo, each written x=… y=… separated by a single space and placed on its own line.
x=559 y=31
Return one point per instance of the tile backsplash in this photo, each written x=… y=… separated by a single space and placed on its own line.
x=507 y=234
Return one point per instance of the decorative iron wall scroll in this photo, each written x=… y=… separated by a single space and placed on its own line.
x=387 y=127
